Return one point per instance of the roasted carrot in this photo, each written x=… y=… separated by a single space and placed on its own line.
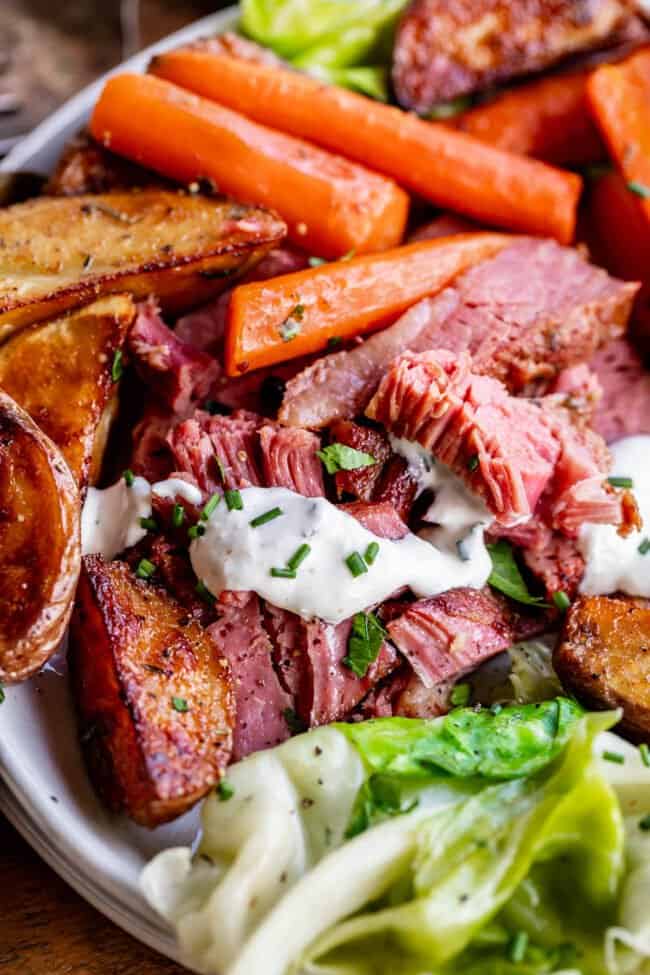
x=548 y=119
x=450 y=168
x=304 y=312
x=331 y=205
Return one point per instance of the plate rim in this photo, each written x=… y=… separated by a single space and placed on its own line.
x=145 y=926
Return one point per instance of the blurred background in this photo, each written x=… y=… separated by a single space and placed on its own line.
x=50 y=49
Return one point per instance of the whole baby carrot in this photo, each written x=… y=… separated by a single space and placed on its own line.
x=331 y=205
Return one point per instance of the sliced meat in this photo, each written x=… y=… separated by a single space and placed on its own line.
x=87 y=167
x=380 y=518
x=218 y=451
x=551 y=557
x=362 y=482
x=175 y=372
x=261 y=702
x=578 y=389
x=447 y=636
x=567 y=310
x=445 y=225
x=152 y=455
x=624 y=409
x=289 y=460
x=521 y=456
x=444 y=50
x=603 y=656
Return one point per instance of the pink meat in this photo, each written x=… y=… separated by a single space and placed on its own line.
x=380 y=518
x=177 y=373
x=218 y=451
x=152 y=456
x=445 y=225
x=551 y=557
x=289 y=460
x=451 y=634
x=240 y=637
x=624 y=409
x=519 y=333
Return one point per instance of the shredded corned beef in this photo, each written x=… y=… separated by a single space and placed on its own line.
x=379 y=517
x=624 y=409
x=289 y=460
x=523 y=316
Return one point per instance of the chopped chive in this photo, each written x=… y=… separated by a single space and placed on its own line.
x=371 y=553
x=621 y=482
x=644 y=751
x=283 y=573
x=644 y=547
x=234 y=501
x=205 y=594
x=225 y=790
x=518 y=947
x=2 y=694
x=149 y=523
x=644 y=824
x=561 y=601
x=639 y=188
x=472 y=463
x=317 y=261
x=333 y=341
x=145 y=569
x=178 y=515
x=616 y=757
x=356 y=565
x=117 y=369
x=129 y=477
x=196 y=531
x=264 y=519
x=290 y=327
x=460 y=695
x=180 y=704
x=210 y=506
x=298 y=557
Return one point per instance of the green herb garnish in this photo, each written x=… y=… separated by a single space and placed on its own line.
x=518 y=947
x=290 y=327
x=129 y=477
x=356 y=565
x=472 y=463
x=445 y=110
x=364 y=643
x=340 y=457
x=616 y=757
x=117 y=369
x=210 y=506
x=225 y=790
x=644 y=751
x=204 y=593
x=196 y=531
x=266 y=517
x=150 y=524
x=283 y=573
x=234 y=501
x=180 y=704
x=506 y=576
x=561 y=601
x=145 y=569
x=644 y=547
x=460 y=695
x=298 y=557
x=295 y=724
x=333 y=341
x=621 y=482
x=2 y=694
x=371 y=553
x=178 y=515
x=317 y=261
x=639 y=188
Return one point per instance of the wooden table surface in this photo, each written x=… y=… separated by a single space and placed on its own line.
x=45 y=927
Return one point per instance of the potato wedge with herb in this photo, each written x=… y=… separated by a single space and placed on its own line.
x=39 y=544
x=65 y=372
x=603 y=656
x=58 y=253
x=154 y=698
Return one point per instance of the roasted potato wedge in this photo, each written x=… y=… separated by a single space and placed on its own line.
x=58 y=253
x=604 y=657
x=62 y=374
x=154 y=699
x=39 y=544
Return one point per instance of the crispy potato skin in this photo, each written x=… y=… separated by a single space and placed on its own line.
x=39 y=544
x=86 y=166
x=58 y=253
x=604 y=656
x=133 y=652
x=61 y=373
x=447 y=48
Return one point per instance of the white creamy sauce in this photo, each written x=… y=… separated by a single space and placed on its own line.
x=111 y=517
x=614 y=563
x=232 y=554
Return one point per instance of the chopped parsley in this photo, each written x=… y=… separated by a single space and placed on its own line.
x=265 y=518
x=145 y=569
x=290 y=327
x=639 y=188
x=295 y=724
x=340 y=457
x=364 y=643
x=180 y=704
x=461 y=695
x=225 y=790
x=561 y=601
x=356 y=565
x=506 y=575
x=129 y=477
x=644 y=547
x=621 y=482
x=234 y=501
x=117 y=369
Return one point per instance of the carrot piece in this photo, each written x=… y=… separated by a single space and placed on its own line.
x=548 y=118
x=450 y=168
x=299 y=313
x=331 y=205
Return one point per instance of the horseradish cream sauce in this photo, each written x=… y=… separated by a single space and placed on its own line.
x=614 y=563
x=111 y=517
x=234 y=554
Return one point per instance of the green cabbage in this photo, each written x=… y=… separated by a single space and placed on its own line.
x=398 y=847
x=344 y=42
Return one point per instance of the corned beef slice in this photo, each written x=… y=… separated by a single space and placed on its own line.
x=261 y=701
x=523 y=316
x=521 y=456
x=289 y=460
x=380 y=518
x=177 y=373
x=552 y=558
x=624 y=409
x=451 y=634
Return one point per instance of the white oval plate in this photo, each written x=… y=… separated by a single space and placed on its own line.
x=44 y=789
